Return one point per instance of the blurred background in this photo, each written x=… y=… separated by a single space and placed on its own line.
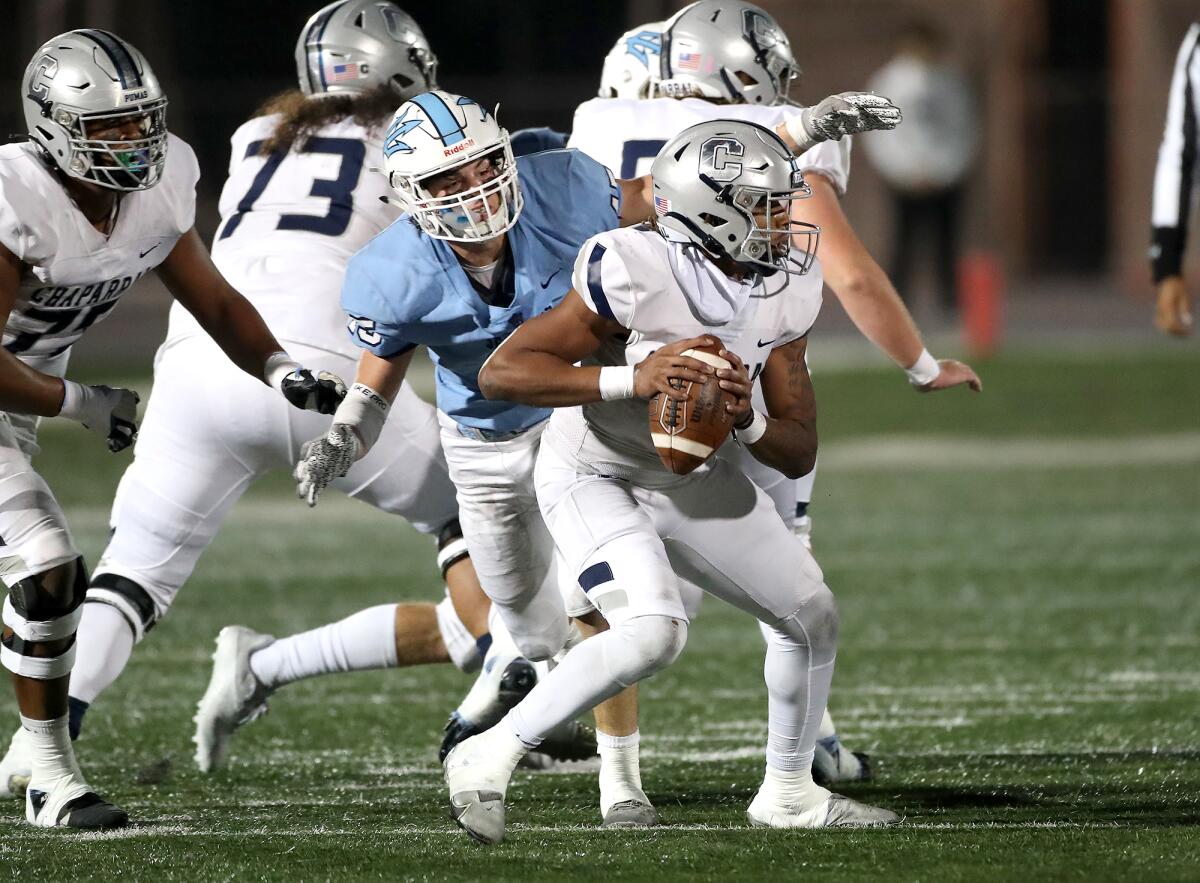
x=1069 y=98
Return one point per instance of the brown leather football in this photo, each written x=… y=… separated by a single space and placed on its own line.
x=686 y=433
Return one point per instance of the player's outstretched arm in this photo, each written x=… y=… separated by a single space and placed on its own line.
x=870 y=299
x=231 y=321
x=356 y=426
x=110 y=411
x=847 y=113
x=785 y=438
x=536 y=364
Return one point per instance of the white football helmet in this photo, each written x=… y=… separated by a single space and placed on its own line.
x=351 y=46
x=632 y=64
x=725 y=50
x=725 y=185
x=435 y=133
x=82 y=82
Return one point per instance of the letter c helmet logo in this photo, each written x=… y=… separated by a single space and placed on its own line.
x=717 y=158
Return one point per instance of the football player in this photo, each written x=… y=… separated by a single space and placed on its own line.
x=299 y=201
x=717 y=261
x=488 y=244
x=730 y=59
x=97 y=197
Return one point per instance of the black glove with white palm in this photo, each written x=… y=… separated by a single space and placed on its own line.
x=321 y=393
x=357 y=424
x=110 y=411
x=847 y=113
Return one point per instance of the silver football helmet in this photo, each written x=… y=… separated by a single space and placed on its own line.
x=632 y=64
x=351 y=46
x=729 y=186
x=725 y=50
x=432 y=136
x=94 y=106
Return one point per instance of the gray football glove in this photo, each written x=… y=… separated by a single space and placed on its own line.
x=848 y=113
x=110 y=411
x=324 y=459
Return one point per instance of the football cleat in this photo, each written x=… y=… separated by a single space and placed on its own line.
x=570 y=740
x=835 y=811
x=17 y=765
x=234 y=696
x=499 y=687
x=71 y=804
x=630 y=814
x=802 y=528
x=833 y=764
x=477 y=773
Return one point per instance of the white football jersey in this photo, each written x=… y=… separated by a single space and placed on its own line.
x=73 y=274
x=664 y=291
x=626 y=134
x=289 y=224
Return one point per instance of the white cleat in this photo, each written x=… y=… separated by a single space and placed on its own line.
x=835 y=811
x=477 y=773
x=802 y=528
x=234 y=696
x=68 y=802
x=630 y=814
x=16 y=768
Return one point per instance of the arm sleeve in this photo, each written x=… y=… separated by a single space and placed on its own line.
x=603 y=282
x=1174 y=175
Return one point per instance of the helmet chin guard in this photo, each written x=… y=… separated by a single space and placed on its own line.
x=435 y=134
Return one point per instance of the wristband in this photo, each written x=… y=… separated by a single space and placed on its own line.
x=364 y=411
x=796 y=128
x=74 y=396
x=278 y=366
x=924 y=370
x=616 y=382
x=754 y=431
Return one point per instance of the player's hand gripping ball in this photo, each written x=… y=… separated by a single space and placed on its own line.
x=689 y=413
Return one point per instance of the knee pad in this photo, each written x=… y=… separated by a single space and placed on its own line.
x=463 y=649
x=540 y=645
x=452 y=548
x=40 y=609
x=127 y=598
x=642 y=646
x=813 y=625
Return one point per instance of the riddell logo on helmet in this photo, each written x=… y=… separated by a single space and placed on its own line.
x=459 y=147
x=139 y=95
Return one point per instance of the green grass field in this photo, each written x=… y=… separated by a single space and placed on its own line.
x=1018 y=577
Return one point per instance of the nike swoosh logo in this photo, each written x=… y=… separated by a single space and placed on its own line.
x=551 y=276
x=147 y=251
x=763 y=343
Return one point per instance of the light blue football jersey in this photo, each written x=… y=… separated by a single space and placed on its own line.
x=406 y=288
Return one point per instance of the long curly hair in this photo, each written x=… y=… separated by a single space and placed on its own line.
x=301 y=116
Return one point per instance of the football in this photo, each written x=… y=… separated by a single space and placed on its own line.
x=686 y=433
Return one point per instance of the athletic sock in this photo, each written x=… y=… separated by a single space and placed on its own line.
x=362 y=642
x=620 y=773
x=794 y=789
x=103 y=647
x=50 y=750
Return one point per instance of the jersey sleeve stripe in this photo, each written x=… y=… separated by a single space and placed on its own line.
x=595 y=285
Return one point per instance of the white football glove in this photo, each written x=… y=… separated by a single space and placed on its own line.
x=324 y=459
x=108 y=410
x=847 y=113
